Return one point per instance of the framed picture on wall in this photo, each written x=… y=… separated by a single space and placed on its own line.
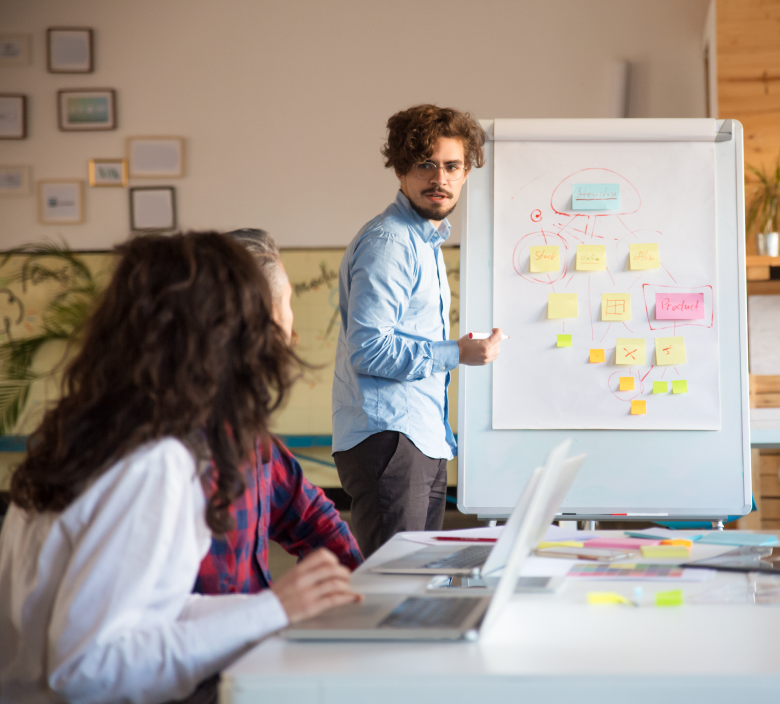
x=86 y=110
x=107 y=172
x=155 y=157
x=14 y=50
x=13 y=116
x=14 y=181
x=152 y=208
x=69 y=50
x=60 y=202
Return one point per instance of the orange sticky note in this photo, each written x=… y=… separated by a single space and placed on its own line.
x=596 y=356
x=626 y=383
x=678 y=541
x=638 y=408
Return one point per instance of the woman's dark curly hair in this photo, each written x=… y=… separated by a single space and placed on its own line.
x=412 y=135
x=183 y=345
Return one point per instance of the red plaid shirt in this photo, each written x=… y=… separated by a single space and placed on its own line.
x=281 y=505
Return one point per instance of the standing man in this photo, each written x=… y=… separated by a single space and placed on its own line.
x=391 y=432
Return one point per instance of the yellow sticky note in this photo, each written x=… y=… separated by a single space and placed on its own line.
x=630 y=350
x=626 y=383
x=638 y=407
x=596 y=356
x=591 y=257
x=615 y=306
x=670 y=350
x=643 y=256
x=561 y=305
x=678 y=541
x=665 y=551
x=560 y=544
x=544 y=259
x=680 y=386
x=564 y=341
x=607 y=598
x=671 y=598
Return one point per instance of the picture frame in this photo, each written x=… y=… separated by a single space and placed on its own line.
x=13 y=116
x=70 y=50
x=14 y=50
x=14 y=181
x=155 y=157
x=108 y=173
x=152 y=208
x=60 y=202
x=86 y=110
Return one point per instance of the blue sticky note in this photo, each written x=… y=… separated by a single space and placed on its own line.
x=595 y=196
x=735 y=537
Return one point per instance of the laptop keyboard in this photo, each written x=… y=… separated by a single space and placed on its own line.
x=430 y=612
x=472 y=556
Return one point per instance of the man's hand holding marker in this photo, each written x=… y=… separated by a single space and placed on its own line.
x=478 y=348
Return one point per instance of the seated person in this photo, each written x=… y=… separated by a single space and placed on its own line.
x=279 y=503
x=180 y=366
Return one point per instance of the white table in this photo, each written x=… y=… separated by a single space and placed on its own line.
x=765 y=428
x=546 y=648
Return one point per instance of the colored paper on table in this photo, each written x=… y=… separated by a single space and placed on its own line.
x=595 y=196
x=680 y=386
x=633 y=571
x=670 y=598
x=596 y=356
x=670 y=350
x=561 y=305
x=599 y=598
x=560 y=544
x=626 y=383
x=643 y=256
x=678 y=541
x=564 y=340
x=591 y=257
x=630 y=350
x=660 y=387
x=615 y=306
x=665 y=551
x=544 y=258
x=735 y=537
x=679 y=306
x=621 y=543
x=638 y=407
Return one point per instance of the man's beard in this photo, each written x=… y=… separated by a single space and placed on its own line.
x=430 y=213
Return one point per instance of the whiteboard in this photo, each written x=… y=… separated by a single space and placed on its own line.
x=674 y=472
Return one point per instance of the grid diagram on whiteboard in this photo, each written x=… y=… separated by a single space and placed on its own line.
x=605 y=279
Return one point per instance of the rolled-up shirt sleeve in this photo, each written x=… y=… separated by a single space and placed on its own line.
x=383 y=279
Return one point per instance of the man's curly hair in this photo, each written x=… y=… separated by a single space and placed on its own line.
x=413 y=133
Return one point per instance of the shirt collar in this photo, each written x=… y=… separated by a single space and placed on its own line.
x=423 y=227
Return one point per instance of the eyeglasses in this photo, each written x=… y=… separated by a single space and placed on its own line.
x=427 y=170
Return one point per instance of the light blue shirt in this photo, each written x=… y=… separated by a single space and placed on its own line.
x=394 y=357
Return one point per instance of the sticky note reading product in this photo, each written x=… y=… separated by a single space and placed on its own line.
x=672 y=598
x=564 y=340
x=680 y=386
x=679 y=306
x=615 y=306
x=595 y=196
x=596 y=356
x=561 y=305
x=669 y=350
x=591 y=257
x=544 y=259
x=630 y=350
x=639 y=408
x=660 y=387
x=643 y=256
x=626 y=383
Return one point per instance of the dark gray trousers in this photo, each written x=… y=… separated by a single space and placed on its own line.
x=393 y=486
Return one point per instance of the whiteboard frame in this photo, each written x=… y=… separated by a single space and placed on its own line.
x=481 y=446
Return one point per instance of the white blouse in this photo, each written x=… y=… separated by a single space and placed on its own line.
x=95 y=602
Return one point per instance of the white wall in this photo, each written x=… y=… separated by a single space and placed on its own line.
x=283 y=102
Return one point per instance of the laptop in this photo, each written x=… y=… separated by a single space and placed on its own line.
x=439 y=617
x=484 y=560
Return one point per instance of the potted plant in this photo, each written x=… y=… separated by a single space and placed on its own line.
x=763 y=210
x=62 y=319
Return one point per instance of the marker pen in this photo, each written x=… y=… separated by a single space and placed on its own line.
x=484 y=336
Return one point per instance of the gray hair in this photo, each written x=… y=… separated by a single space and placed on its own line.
x=262 y=246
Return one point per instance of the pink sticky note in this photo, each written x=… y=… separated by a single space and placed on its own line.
x=620 y=543
x=679 y=306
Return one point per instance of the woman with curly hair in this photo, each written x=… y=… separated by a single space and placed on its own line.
x=181 y=367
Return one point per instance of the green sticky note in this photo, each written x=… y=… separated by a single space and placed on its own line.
x=672 y=598
x=680 y=386
x=564 y=340
x=660 y=387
